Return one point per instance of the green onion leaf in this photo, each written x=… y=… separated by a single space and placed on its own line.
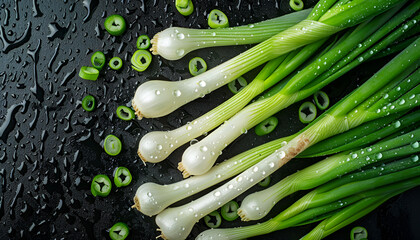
x=89 y=73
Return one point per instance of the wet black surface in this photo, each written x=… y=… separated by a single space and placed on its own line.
x=50 y=148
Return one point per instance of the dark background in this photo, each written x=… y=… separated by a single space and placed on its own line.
x=50 y=148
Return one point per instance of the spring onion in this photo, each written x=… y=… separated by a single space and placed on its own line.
x=125 y=113
x=266 y=182
x=89 y=73
x=175 y=42
x=98 y=60
x=115 y=25
x=296 y=5
x=213 y=220
x=322 y=100
x=143 y=42
x=101 y=186
x=320 y=24
x=229 y=211
x=185 y=10
x=122 y=177
x=358 y=233
x=267 y=126
x=112 y=145
x=115 y=63
x=307 y=112
x=88 y=103
x=217 y=19
x=240 y=81
x=119 y=231
x=197 y=66
x=141 y=60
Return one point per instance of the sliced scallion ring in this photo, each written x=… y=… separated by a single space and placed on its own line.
x=237 y=85
x=141 y=60
x=307 y=112
x=296 y=5
x=229 y=211
x=88 y=103
x=115 y=63
x=265 y=182
x=358 y=233
x=213 y=220
x=122 y=177
x=197 y=66
x=217 y=19
x=143 y=42
x=322 y=100
x=89 y=73
x=101 y=186
x=119 y=231
x=98 y=60
x=125 y=113
x=267 y=126
x=187 y=10
x=115 y=25
x=112 y=145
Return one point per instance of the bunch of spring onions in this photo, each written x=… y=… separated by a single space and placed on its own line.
x=391 y=90
x=158 y=98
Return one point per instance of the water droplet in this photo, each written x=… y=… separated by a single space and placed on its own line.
x=415 y=158
x=397 y=124
x=202 y=83
x=255 y=169
x=203 y=149
x=217 y=193
x=271 y=164
x=379 y=155
x=180 y=52
x=177 y=93
x=157 y=92
x=402 y=102
x=159 y=147
x=180 y=36
x=415 y=145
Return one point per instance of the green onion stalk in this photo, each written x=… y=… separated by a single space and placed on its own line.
x=158 y=145
x=352 y=51
x=257 y=205
x=159 y=98
x=175 y=42
x=362 y=105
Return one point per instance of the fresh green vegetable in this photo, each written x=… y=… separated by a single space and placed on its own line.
x=88 y=103
x=358 y=233
x=229 y=211
x=240 y=81
x=141 y=60
x=184 y=10
x=101 y=186
x=115 y=25
x=197 y=66
x=112 y=145
x=98 y=60
x=217 y=19
x=322 y=100
x=265 y=182
x=125 y=113
x=267 y=126
x=296 y=5
x=122 y=177
x=119 y=231
x=143 y=42
x=307 y=112
x=89 y=73
x=115 y=63
x=213 y=220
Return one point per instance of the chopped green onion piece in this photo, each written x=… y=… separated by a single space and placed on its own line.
x=89 y=73
x=296 y=5
x=88 y=103
x=358 y=233
x=187 y=10
x=197 y=66
x=217 y=19
x=125 y=113
x=141 y=60
x=143 y=42
x=122 y=177
x=115 y=63
x=112 y=145
x=266 y=182
x=213 y=220
x=119 y=231
x=181 y=3
x=101 y=186
x=229 y=211
x=307 y=112
x=233 y=85
x=267 y=126
x=322 y=100
x=98 y=60
x=115 y=25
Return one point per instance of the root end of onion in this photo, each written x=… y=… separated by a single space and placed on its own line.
x=181 y=168
x=242 y=215
x=154 y=42
x=136 y=204
x=136 y=110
